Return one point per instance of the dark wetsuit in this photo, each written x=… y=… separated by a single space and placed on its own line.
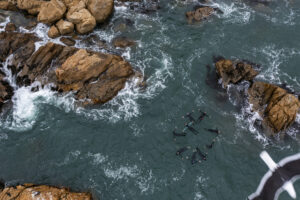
x=180 y=151
x=201 y=154
x=210 y=146
x=179 y=134
x=193 y=160
x=192 y=129
x=189 y=115
x=213 y=130
x=201 y=117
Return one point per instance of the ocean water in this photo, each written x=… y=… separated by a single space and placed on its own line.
x=125 y=149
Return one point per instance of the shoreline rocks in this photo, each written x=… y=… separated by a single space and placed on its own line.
x=93 y=77
x=277 y=107
x=65 y=16
x=34 y=192
x=234 y=71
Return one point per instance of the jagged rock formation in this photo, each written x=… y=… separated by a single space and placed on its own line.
x=234 y=71
x=81 y=14
x=277 y=107
x=35 y=192
x=93 y=77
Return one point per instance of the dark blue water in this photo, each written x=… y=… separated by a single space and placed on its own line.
x=125 y=149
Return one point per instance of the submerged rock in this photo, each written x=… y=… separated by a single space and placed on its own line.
x=34 y=192
x=123 y=42
x=276 y=106
x=200 y=13
x=234 y=71
x=68 y=41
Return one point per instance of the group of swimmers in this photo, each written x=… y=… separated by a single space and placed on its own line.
x=189 y=126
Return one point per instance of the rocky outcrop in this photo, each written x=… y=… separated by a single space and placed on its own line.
x=234 y=71
x=81 y=14
x=277 y=107
x=31 y=6
x=64 y=27
x=52 y=11
x=100 y=9
x=53 y=32
x=92 y=76
x=200 y=13
x=35 y=192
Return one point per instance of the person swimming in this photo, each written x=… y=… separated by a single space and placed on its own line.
x=190 y=117
x=179 y=134
x=210 y=146
x=193 y=159
x=203 y=156
x=191 y=129
x=180 y=151
x=213 y=130
x=202 y=115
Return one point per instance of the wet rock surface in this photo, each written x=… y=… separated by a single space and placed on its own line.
x=123 y=42
x=6 y=91
x=277 y=107
x=35 y=192
x=200 y=13
x=92 y=76
x=234 y=71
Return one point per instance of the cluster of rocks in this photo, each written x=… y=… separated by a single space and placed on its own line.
x=65 y=16
x=277 y=106
x=93 y=77
x=35 y=192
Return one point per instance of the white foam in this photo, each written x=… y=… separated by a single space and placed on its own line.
x=27 y=104
x=198 y=196
x=7 y=20
x=98 y=158
x=123 y=172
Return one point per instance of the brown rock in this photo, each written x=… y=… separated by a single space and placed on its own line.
x=68 y=41
x=200 y=14
x=100 y=9
x=52 y=11
x=32 y=6
x=83 y=20
x=32 y=192
x=6 y=91
x=123 y=42
x=65 y=27
x=10 y=27
x=6 y=5
x=277 y=107
x=84 y=72
x=10 y=42
x=53 y=32
x=234 y=72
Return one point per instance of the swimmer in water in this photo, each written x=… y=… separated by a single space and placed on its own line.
x=201 y=117
x=213 y=130
x=210 y=146
x=193 y=160
x=179 y=134
x=191 y=129
x=190 y=117
x=180 y=151
x=203 y=156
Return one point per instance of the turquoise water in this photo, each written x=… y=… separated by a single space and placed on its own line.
x=125 y=149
